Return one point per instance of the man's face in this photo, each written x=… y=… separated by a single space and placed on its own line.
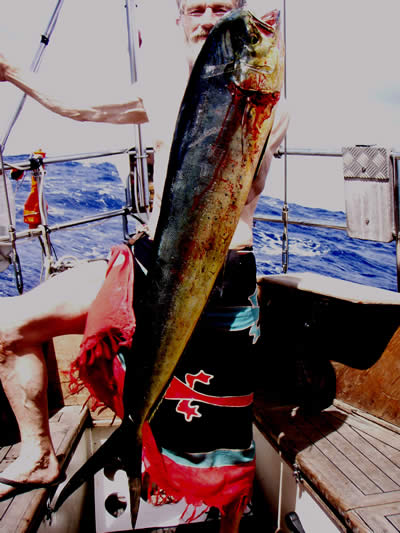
x=197 y=19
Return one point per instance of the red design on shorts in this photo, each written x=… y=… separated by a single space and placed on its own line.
x=185 y=393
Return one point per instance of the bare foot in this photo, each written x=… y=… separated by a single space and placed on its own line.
x=27 y=470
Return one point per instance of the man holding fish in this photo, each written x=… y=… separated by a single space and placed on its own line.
x=210 y=392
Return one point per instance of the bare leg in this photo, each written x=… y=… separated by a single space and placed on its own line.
x=57 y=307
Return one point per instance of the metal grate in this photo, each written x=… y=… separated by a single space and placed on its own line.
x=367 y=162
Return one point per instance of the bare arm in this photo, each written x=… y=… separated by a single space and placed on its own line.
x=277 y=135
x=124 y=112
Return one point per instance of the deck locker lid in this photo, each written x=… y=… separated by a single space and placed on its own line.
x=369 y=192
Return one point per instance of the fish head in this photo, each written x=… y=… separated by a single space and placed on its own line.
x=248 y=51
x=259 y=53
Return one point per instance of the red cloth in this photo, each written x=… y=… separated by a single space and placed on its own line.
x=227 y=488
x=110 y=325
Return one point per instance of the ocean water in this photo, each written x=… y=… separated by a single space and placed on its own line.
x=76 y=189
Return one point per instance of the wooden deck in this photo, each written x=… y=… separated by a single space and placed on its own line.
x=349 y=458
x=23 y=513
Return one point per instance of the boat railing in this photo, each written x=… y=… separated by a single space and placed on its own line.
x=130 y=209
x=133 y=209
x=123 y=211
x=25 y=165
x=317 y=153
x=285 y=220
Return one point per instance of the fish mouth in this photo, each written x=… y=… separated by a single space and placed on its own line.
x=259 y=70
x=268 y=23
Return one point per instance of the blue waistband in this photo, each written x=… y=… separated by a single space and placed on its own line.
x=214 y=459
x=236 y=318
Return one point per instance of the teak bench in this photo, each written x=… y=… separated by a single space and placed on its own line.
x=329 y=403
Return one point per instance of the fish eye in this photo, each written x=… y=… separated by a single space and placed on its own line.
x=254 y=38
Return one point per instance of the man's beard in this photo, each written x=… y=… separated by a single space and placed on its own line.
x=194 y=45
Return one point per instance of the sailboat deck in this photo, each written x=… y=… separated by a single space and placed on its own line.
x=348 y=457
x=23 y=513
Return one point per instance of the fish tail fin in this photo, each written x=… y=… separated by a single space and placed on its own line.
x=133 y=467
x=135 y=487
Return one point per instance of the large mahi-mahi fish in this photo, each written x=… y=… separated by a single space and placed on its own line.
x=223 y=126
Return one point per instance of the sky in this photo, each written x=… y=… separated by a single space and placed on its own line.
x=343 y=83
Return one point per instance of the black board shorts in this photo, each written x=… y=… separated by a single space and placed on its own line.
x=217 y=364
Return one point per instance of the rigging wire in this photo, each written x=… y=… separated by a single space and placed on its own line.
x=285 y=208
